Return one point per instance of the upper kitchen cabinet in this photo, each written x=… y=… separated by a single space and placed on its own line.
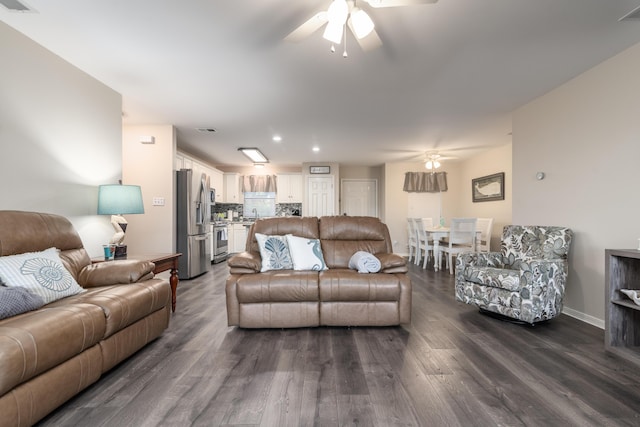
x=217 y=182
x=232 y=193
x=289 y=188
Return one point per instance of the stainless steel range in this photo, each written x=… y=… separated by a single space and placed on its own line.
x=219 y=242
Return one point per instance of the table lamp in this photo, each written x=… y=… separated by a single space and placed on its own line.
x=117 y=200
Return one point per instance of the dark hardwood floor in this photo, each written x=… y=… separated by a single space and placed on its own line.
x=452 y=366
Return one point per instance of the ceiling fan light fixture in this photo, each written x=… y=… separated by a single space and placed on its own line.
x=361 y=23
x=432 y=164
x=333 y=32
x=338 y=12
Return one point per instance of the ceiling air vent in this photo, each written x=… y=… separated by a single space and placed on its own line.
x=15 y=6
x=634 y=15
x=204 y=130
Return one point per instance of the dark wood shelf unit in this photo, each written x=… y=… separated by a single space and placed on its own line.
x=622 y=317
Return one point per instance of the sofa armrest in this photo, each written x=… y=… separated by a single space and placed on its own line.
x=245 y=262
x=115 y=273
x=392 y=263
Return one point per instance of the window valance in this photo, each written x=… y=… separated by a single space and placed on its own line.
x=259 y=183
x=425 y=182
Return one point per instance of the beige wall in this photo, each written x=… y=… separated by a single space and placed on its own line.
x=585 y=136
x=487 y=163
x=151 y=167
x=60 y=137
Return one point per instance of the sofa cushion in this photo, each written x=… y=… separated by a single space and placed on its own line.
x=274 y=251
x=495 y=277
x=14 y=301
x=349 y=285
x=277 y=286
x=34 y=342
x=342 y=236
x=306 y=253
x=124 y=305
x=298 y=226
x=42 y=273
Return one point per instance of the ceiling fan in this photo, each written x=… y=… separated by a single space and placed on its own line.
x=433 y=161
x=345 y=13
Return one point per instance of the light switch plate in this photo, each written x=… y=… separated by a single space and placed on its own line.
x=158 y=201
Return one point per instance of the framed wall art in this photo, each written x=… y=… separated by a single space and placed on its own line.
x=319 y=169
x=488 y=188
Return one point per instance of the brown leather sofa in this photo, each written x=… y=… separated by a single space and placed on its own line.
x=50 y=354
x=334 y=297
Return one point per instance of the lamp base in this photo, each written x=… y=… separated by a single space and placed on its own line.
x=121 y=252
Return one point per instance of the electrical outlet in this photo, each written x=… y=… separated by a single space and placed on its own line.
x=158 y=201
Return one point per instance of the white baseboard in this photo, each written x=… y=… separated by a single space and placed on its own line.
x=599 y=323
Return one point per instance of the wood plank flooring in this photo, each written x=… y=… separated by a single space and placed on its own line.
x=452 y=366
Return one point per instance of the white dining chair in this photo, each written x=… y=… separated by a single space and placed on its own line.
x=424 y=247
x=412 y=239
x=485 y=226
x=462 y=238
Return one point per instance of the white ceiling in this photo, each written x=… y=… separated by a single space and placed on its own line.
x=446 y=78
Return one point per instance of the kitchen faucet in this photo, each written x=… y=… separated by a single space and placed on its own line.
x=255 y=212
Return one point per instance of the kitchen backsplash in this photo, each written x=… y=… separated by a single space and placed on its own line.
x=282 y=209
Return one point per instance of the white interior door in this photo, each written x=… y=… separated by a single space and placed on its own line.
x=320 y=196
x=359 y=197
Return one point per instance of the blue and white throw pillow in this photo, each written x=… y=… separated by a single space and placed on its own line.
x=274 y=251
x=41 y=273
x=306 y=253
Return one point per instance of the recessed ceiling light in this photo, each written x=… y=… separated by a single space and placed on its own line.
x=277 y=138
x=207 y=130
x=316 y=149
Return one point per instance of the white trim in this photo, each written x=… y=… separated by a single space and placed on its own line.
x=599 y=323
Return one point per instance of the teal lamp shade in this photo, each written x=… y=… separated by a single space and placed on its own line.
x=116 y=199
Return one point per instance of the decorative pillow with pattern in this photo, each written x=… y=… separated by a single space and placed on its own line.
x=306 y=253
x=41 y=273
x=274 y=251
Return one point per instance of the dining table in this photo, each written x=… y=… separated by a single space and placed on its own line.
x=438 y=233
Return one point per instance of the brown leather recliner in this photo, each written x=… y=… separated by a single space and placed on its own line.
x=50 y=354
x=338 y=296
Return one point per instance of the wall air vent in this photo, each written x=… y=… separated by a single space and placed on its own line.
x=206 y=130
x=16 y=6
x=634 y=15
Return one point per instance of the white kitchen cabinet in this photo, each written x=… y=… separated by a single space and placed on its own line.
x=238 y=241
x=289 y=188
x=232 y=192
x=217 y=182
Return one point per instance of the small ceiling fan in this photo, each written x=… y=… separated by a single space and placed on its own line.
x=433 y=161
x=343 y=13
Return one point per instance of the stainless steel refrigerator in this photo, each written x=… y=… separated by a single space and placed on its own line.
x=193 y=216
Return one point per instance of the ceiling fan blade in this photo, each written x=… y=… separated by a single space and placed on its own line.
x=308 y=28
x=396 y=3
x=369 y=42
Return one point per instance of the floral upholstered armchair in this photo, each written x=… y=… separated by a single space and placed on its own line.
x=525 y=281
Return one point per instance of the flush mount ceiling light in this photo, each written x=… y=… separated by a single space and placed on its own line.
x=343 y=13
x=254 y=155
x=258 y=165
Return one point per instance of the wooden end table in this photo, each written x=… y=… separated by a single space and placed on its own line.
x=163 y=262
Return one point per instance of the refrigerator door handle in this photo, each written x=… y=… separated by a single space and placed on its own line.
x=204 y=237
